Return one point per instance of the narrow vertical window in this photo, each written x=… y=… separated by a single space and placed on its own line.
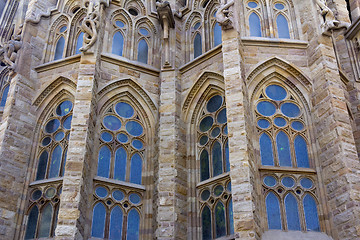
x=98 y=221
x=204 y=165
x=133 y=225
x=4 y=96
x=220 y=221
x=231 y=217
x=41 y=171
x=79 y=42
x=266 y=150
x=282 y=26
x=217 y=159
x=143 y=51
x=136 y=169
x=104 y=162
x=59 y=50
x=32 y=222
x=217 y=34
x=301 y=152
x=292 y=212
x=116 y=223
x=45 y=223
x=227 y=162
x=273 y=211
x=283 y=148
x=254 y=25
x=118 y=44
x=206 y=223
x=120 y=164
x=197 y=45
x=311 y=214
x=55 y=162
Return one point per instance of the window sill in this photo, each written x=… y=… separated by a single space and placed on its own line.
x=46 y=181
x=58 y=63
x=287 y=169
x=118 y=182
x=274 y=42
x=211 y=180
x=293 y=235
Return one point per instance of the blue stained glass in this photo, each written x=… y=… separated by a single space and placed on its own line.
x=144 y=32
x=220 y=221
x=106 y=136
x=221 y=118
x=205 y=195
x=101 y=192
x=215 y=132
x=270 y=181
x=301 y=152
x=52 y=126
x=59 y=136
x=36 y=194
x=137 y=144
x=118 y=44
x=290 y=110
x=124 y=110
x=67 y=122
x=63 y=29
x=79 y=42
x=206 y=123
x=288 y=182
x=120 y=24
x=143 y=51
x=116 y=222
x=196 y=26
x=279 y=6
x=273 y=211
x=214 y=103
x=217 y=34
x=206 y=223
x=227 y=156
x=276 y=92
x=4 y=96
x=45 y=223
x=203 y=140
x=136 y=169
x=134 y=128
x=252 y=4
x=217 y=159
x=255 y=25
x=306 y=183
x=98 y=221
x=41 y=171
x=218 y=190
x=283 y=148
x=197 y=45
x=64 y=108
x=113 y=123
x=225 y=130
x=123 y=138
x=266 y=108
x=298 y=126
x=59 y=50
x=231 y=216
x=55 y=162
x=118 y=195
x=266 y=150
x=134 y=198
x=228 y=187
x=263 y=123
x=104 y=162
x=292 y=212
x=280 y=122
x=120 y=164
x=32 y=222
x=282 y=26
x=133 y=225
x=311 y=214
x=64 y=163
x=204 y=165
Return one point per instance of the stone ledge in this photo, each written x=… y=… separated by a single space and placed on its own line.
x=58 y=63
x=274 y=42
x=294 y=235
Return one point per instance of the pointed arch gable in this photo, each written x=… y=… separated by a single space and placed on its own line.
x=78 y=15
x=137 y=4
x=62 y=18
x=193 y=16
x=123 y=13
x=146 y=21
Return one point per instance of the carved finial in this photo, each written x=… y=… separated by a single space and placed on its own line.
x=223 y=15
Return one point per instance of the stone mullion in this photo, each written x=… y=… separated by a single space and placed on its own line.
x=237 y=114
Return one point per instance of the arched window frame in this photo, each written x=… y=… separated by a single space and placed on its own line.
x=4 y=83
x=213 y=23
x=258 y=10
x=151 y=39
x=126 y=31
x=147 y=39
x=75 y=29
x=288 y=14
x=194 y=32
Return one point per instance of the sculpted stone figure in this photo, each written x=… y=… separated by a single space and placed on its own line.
x=9 y=52
x=222 y=15
x=330 y=22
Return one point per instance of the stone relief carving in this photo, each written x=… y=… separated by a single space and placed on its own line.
x=9 y=52
x=38 y=9
x=224 y=14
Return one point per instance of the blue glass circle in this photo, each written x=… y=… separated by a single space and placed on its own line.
x=263 y=123
x=298 y=126
x=270 y=181
x=135 y=198
x=118 y=195
x=144 y=32
x=137 y=144
x=280 y=122
x=106 y=137
x=67 y=122
x=68 y=136
x=306 y=183
x=288 y=182
x=279 y=6
x=203 y=140
x=123 y=138
x=64 y=108
x=215 y=132
x=206 y=123
x=218 y=190
x=290 y=109
x=252 y=4
x=120 y=24
x=59 y=136
x=205 y=195
x=36 y=195
x=52 y=126
x=134 y=128
x=276 y=92
x=101 y=192
x=46 y=141
x=124 y=110
x=266 y=108
x=221 y=118
x=112 y=123
x=214 y=103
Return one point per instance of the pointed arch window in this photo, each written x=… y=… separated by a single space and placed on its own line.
x=79 y=42
x=254 y=20
x=143 y=45
x=5 y=85
x=119 y=38
x=282 y=14
x=197 y=40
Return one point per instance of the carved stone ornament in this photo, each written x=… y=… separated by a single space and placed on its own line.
x=9 y=52
x=224 y=15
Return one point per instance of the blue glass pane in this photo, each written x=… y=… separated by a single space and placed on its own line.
x=203 y=140
x=279 y=6
x=298 y=126
x=227 y=156
x=123 y=138
x=124 y=110
x=220 y=221
x=46 y=219
x=206 y=123
x=41 y=171
x=205 y=195
x=217 y=159
x=118 y=44
x=263 y=123
x=273 y=211
x=118 y=195
x=225 y=130
x=292 y=212
x=204 y=165
x=311 y=214
x=197 y=45
x=116 y=222
x=134 y=128
x=276 y=92
x=4 y=96
x=301 y=152
x=133 y=225
x=63 y=29
x=112 y=123
x=59 y=136
x=231 y=216
x=52 y=126
x=197 y=25
x=306 y=183
x=270 y=181
x=290 y=110
x=266 y=108
x=36 y=195
x=266 y=150
x=98 y=221
x=217 y=34
x=137 y=144
x=219 y=189
x=120 y=24
x=280 y=122
x=55 y=162
x=214 y=103
x=120 y=164
x=64 y=108
x=252 y=4
x=104 y=162
x=221 y=118
x=64 y=163
x=283 y=148
x=59 y=50
x=67 y=122
x=288 y=182
x=282 y=27
x=79 y=42
x=206 y=223
x=144 y=32
x=136 y=169
x=228 y=187
x=142 y=51
x=215 y=132
x=255 y=25
x=32 y=222
x=101 y=192
x=134 y=198
x=106 y=136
